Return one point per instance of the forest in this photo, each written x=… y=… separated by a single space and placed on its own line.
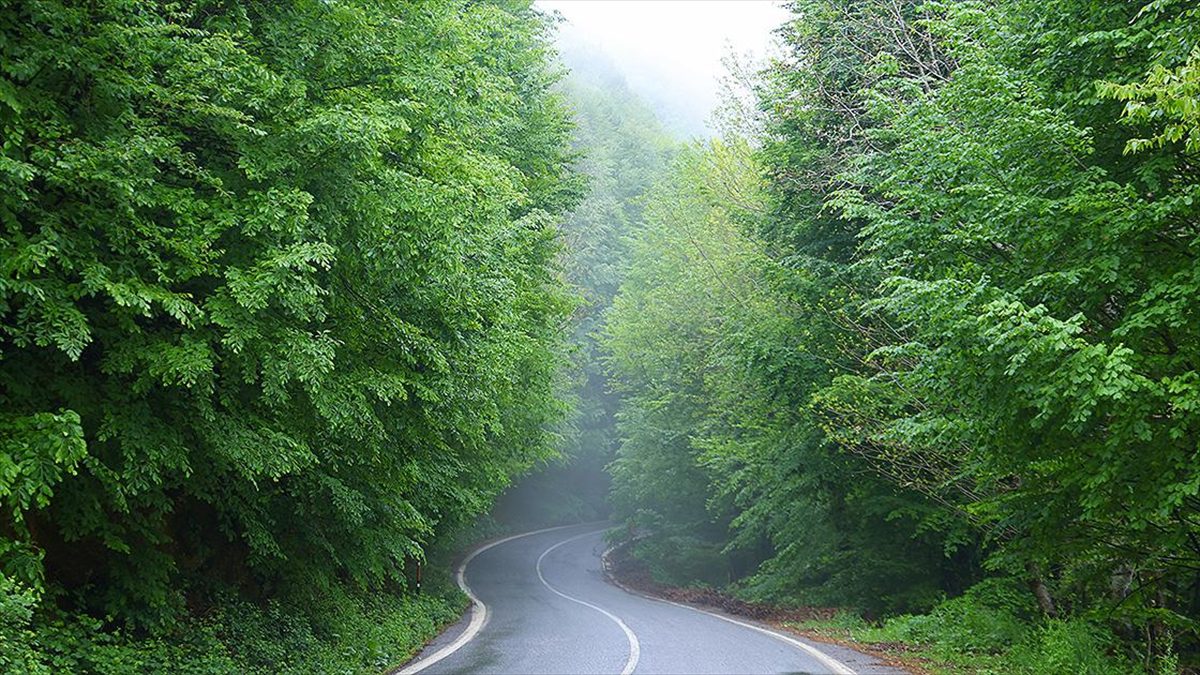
x=299 y=300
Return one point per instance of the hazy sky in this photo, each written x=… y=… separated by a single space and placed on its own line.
x=670 y=51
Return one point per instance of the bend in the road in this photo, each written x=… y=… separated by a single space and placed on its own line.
x=479 y=611
x=524 y=634
x=635 y=649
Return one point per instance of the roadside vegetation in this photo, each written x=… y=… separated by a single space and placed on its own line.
x=978 y=634
x=917 y=336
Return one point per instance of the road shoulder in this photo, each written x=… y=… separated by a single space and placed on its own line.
x=851 y=659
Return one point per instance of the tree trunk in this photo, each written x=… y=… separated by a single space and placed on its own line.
x=1038 y=586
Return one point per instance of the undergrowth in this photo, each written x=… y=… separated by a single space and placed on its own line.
x=333 y=632
x=992 y=630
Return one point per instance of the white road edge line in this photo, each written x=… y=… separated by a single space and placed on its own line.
x=479 y=611
x=635 y=647
x=833 y=664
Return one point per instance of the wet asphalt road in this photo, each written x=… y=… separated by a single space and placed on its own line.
x=550 y=610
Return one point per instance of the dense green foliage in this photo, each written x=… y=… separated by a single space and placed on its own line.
x=339 y=634
x=710 y=345
x=622 y=149
x=938 y=325
x=280 y=298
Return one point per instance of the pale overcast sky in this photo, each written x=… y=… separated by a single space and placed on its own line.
x=670 y=51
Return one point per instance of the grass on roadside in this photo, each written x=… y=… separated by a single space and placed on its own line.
x=332 y=632
x=987 y=631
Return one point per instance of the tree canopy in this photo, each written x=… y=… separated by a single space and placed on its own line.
x=280 y=299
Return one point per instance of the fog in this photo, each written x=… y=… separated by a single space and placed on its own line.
x=670 y=52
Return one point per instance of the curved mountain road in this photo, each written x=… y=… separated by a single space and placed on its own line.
x=547 y=608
